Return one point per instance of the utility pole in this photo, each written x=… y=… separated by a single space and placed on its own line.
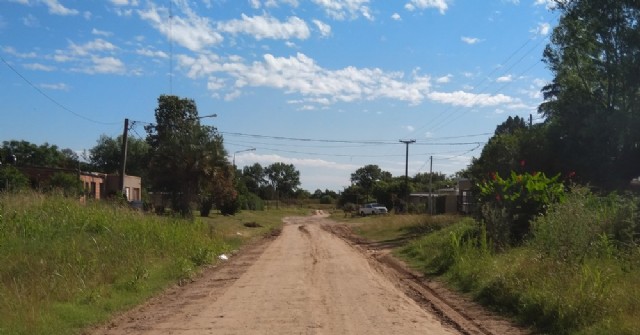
x=406 y=171
x=125 y=137
x=431 y=185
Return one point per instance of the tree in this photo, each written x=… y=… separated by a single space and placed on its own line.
x=106 y=156
x=592 y=105
x=284 y=179
x=47 y=155
x=254 y=178
x=184 y=155
x=366 y=177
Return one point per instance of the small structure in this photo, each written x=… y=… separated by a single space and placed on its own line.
x=96 y=185
x=447 y=200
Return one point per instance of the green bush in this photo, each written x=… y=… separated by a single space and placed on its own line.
x=68 y=183
x=508 y=205
x=586 y=226
x=11 y=179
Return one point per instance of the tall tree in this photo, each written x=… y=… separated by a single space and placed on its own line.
x=593 y=102
x=184 y=154
x=284 y=178
x=254 y=178
x=367 y=176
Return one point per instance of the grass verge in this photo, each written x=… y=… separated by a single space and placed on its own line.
x=65 y=266
x=598 y=294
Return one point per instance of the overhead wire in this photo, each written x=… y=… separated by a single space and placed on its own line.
x=54 y=101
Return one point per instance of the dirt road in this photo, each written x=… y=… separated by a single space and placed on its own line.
x=306 y=281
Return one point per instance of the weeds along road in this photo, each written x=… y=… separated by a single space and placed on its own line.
x=305 y=281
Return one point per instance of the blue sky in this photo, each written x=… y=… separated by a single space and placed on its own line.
x=327 y=85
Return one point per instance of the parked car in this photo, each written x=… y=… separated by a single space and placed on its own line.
x=372 y=209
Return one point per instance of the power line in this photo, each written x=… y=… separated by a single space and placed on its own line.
x=52 y=99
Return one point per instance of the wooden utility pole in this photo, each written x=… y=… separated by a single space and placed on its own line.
x=406 y=171
x=123 y=153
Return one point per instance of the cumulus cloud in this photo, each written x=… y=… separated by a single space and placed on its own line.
x=396 y=17
x=95 y=31
x=191 y=31
x=39 y=67
x=444 y=79
x=543 y=29
x=325 y=29
x=441 y=5
x=152 y=53
x=300 y=74
x=465 y=99
x=58 y=86
x=470 y=40
x=58 y=9
x=344 y=9
x=261 y=27
x=549 y=4
x=505 y=79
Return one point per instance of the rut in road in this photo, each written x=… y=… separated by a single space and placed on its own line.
x=307 y=281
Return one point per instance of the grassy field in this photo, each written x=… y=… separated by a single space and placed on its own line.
x=596 y=294
x=65 y=266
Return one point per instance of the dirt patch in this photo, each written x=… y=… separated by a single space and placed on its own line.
x=453 y=308
x=252 y=225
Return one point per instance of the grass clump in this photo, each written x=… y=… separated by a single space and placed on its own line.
x=65 y=266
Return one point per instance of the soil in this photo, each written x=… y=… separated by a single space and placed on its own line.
x=314 y=277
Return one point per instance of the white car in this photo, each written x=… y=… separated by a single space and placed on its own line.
x=372 y=208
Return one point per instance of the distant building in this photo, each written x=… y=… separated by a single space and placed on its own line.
x=449 y=200
x=96 y=185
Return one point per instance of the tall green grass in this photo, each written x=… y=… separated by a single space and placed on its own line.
x=577 y=275
x=64 y=265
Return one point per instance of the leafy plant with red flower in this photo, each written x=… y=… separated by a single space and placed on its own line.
x=509 y=204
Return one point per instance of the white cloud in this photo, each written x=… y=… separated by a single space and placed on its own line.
x=343 y=9
x=152 y=53
x=543 y=29
x=95 y=31
x=276 y=3
x=12 y=51
x=39 y=67
x=505 y=79
x=444 y=79
x=89 y=47
x=125 y=2
x=325 y=29
x=58 y=9
x=105 y=65
x=396 y=17
x=465 y=99
x=261 y=27
x=441 y=5
x=300 y=74
x=31 y=21
x=549 y=4
x=192 y=31
x=58 y=86
x=470 y=40
x=410 y=128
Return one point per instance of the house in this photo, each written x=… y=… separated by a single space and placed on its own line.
x=96 y=185
x=448 y=200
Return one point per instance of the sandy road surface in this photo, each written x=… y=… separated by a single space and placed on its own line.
x=306 y=281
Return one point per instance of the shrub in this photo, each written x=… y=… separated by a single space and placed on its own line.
x=11 y=179
x=586 y=226
x=508 y=205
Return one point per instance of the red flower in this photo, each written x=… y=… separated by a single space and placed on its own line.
x=493 y=176
x=522 y=162
x=572 y=174
x=498 y=198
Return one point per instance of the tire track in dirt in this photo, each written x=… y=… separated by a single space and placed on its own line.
x=464 y=315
